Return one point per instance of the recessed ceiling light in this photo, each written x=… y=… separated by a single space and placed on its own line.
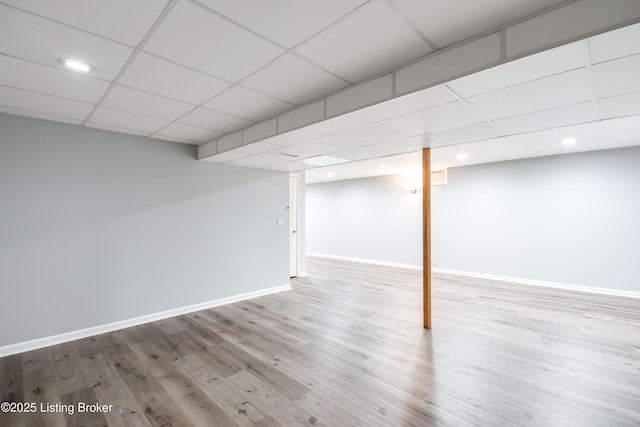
x=461 y=156
x=77 y=65
x=330 y=175
x=568 y=141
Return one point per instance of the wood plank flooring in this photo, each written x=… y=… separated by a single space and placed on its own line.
x=346 y=347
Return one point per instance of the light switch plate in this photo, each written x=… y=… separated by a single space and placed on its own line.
x=280 y=220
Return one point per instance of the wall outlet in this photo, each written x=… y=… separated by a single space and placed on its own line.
x=414 y=249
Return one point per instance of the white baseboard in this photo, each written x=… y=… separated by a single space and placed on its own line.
x=366 y=261
x=110 y=327
x=302 y=274
x=531 y=282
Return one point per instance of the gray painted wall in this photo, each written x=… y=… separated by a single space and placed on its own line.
x=98 y=227
x=571 y=219
x=371 y=218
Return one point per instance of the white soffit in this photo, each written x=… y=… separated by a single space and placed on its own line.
x=451 y=21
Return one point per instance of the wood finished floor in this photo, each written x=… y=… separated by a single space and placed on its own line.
x=345 y=347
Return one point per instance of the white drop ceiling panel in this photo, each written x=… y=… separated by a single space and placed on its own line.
x=282 y=154
x=289 y=167
x=561 y=89
x=322 y=145
x=617 y=77
x=371 y=134
x=116 y=129
x=619 y=106
x=253 y=161
x=293 y=79
x=615 y=44
x=293 y=137
x=122 y=119
x=287 y=22
x=547 y=119
x=125 y=21
x=341 y=124
x=156 y=75
x=248 y=104
x=412 y=103
x=39 y=115
x=36 y=39
x=476 y=132
x=146 y=104
x=192 y=36
x=448 y=22
x=209 y=119
x=365 y=43
x=50 y=81
x=190 y=133
x=256 y=148
x=359 y=154
x=405 y=145
x=454 y=114
x=533 y=67
x=43 y=104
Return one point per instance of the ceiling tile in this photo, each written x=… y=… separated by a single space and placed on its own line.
x=43 y=104
x=448 y=22
x=615 y=44
x=290 y=167
x=293 y=79
x=341 y=124
x=231 y=52
x=554 y=61
x=322 y=145
x=619 y=106
x=122 y=119
x=245 y=103
x=190 y=133
x=371 y=134
x=115 y=129
x=370 y=41
x=253 y=161
x=29 y=37
x=256 y=148
x=405 y=145
x=165 y=78
x=476 y=132
x=121 y=20
x=50 y=81
x=547 y=119
x=209 y=119
x=617 y=77
x=427 y=98
x=39 y=115
x=561 y=89
x=454 y=114
x=293 y=137
x=282 y=154
x=136 y=101
x=287 y=22
x=363 y=153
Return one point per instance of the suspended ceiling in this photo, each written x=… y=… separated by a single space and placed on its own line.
x=199 y=71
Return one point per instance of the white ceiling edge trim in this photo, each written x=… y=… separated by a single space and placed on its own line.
x=459 y=60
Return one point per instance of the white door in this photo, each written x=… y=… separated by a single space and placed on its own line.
x=293 y=226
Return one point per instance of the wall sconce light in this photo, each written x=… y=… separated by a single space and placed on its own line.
x=413 y=190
